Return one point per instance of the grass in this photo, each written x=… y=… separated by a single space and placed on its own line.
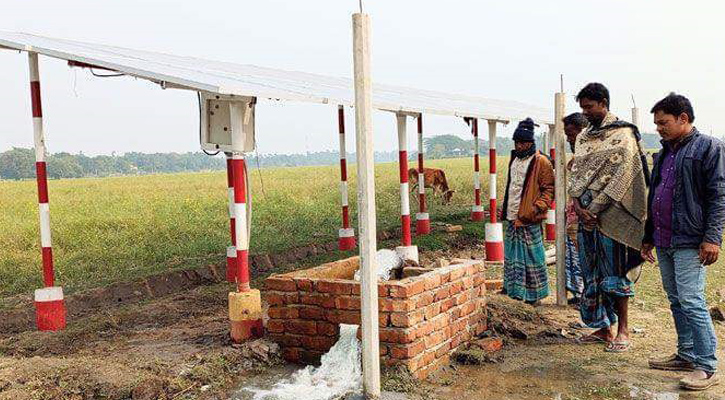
x=119 y=228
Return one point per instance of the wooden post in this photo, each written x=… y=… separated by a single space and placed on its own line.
x=366 y=205
x=560 y=197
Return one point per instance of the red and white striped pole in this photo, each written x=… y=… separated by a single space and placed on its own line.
x=245 y=305
x=477 y=210
x=551 y=213
x=231 y=250
x=49 y=302
x=494 y=229
x=406 y=250
x=346 y=234
x=422 y=218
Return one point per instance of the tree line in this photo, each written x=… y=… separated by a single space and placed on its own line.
x=19 y=163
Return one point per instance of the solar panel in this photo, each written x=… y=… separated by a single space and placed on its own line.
x=267 y=83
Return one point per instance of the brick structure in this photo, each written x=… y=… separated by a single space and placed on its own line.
x=423 y=319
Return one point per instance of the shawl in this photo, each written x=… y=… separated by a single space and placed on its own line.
x=608 y=166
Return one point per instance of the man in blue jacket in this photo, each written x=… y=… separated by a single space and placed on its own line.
x=685 y=215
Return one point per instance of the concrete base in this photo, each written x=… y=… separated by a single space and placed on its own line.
x=245 y=315
x=408 y=252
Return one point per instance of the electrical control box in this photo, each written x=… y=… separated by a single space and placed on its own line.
x=227 y=122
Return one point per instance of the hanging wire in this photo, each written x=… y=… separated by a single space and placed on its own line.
x=259 y=170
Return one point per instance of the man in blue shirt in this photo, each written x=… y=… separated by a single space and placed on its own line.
x=685 y=215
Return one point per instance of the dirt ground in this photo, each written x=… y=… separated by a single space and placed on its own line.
x=176 y=347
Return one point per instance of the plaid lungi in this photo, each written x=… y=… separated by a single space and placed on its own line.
x=525 y=276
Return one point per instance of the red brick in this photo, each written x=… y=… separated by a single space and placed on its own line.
x=405 y=320
x=432 y=310
x=442 y=293
x=396 y=305
x=317 y=299
x=383 y=320
x=447 y=304
x=479 y=279
x=347 y=302
x=291 y=354
x=455 y=287
x=334 y=286
x=445 y=276
x=455 y=341
x=467 y=282
x=432 y=281
x=455 y=313
x=283 y=312
x=457 y=273
x=274 y=298
x=407 y=289
x=383 y=290
x=320 y=343
x=424 y=329
x=408 y=351
x=397 y=335
x=312 y=312
x=434 y=339
x=424 y=299
x=280 y=284
x=343 y=317
x=440 y=322
x=494 y=284
x=443 y=349
x=472 y=270
x=285 y=339
x=300 y=327
x=463 y=298
x=327 y=329
x=304 y=284
x=490 y=345
x=383 y=350
x=275 y=325
x=480 y=328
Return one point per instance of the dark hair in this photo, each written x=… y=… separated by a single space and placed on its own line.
x=577 y=119
x=675 y=104
x=594 y=91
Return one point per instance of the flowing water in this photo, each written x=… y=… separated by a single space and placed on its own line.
x=340 y=370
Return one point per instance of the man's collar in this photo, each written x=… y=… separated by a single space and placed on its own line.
x=677 y=144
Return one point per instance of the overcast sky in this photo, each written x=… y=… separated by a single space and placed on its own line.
x=505 y=49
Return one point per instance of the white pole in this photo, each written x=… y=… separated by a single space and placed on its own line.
x=366 y=205
x=635 y=117
x=560 y=197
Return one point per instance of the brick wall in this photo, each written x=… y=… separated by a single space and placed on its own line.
x=423 y=319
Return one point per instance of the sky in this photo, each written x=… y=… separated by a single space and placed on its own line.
x=513 y=50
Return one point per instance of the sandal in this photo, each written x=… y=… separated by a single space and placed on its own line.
x=591 y=339
x=618 y=346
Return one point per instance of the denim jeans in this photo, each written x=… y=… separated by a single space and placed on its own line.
x=683 y=278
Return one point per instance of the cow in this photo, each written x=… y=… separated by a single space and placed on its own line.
x=435 y=179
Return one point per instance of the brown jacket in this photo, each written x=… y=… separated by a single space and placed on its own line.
x=538 y=190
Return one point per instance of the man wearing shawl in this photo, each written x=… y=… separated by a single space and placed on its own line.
x=574 y=124
x=529 y=190
x=608 y=183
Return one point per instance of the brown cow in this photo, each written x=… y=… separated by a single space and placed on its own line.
x=435 y=179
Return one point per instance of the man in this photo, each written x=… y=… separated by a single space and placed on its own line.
x=608 y=185
x=685 y=217
x=573 y=125
x=529 y=190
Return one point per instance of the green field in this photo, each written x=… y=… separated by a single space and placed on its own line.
x=114 y=229
x=111 y=229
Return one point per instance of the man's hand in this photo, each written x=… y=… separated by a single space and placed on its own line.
x=709 y=253
x=646 y=252
x=518 y=223
x=588 y=218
